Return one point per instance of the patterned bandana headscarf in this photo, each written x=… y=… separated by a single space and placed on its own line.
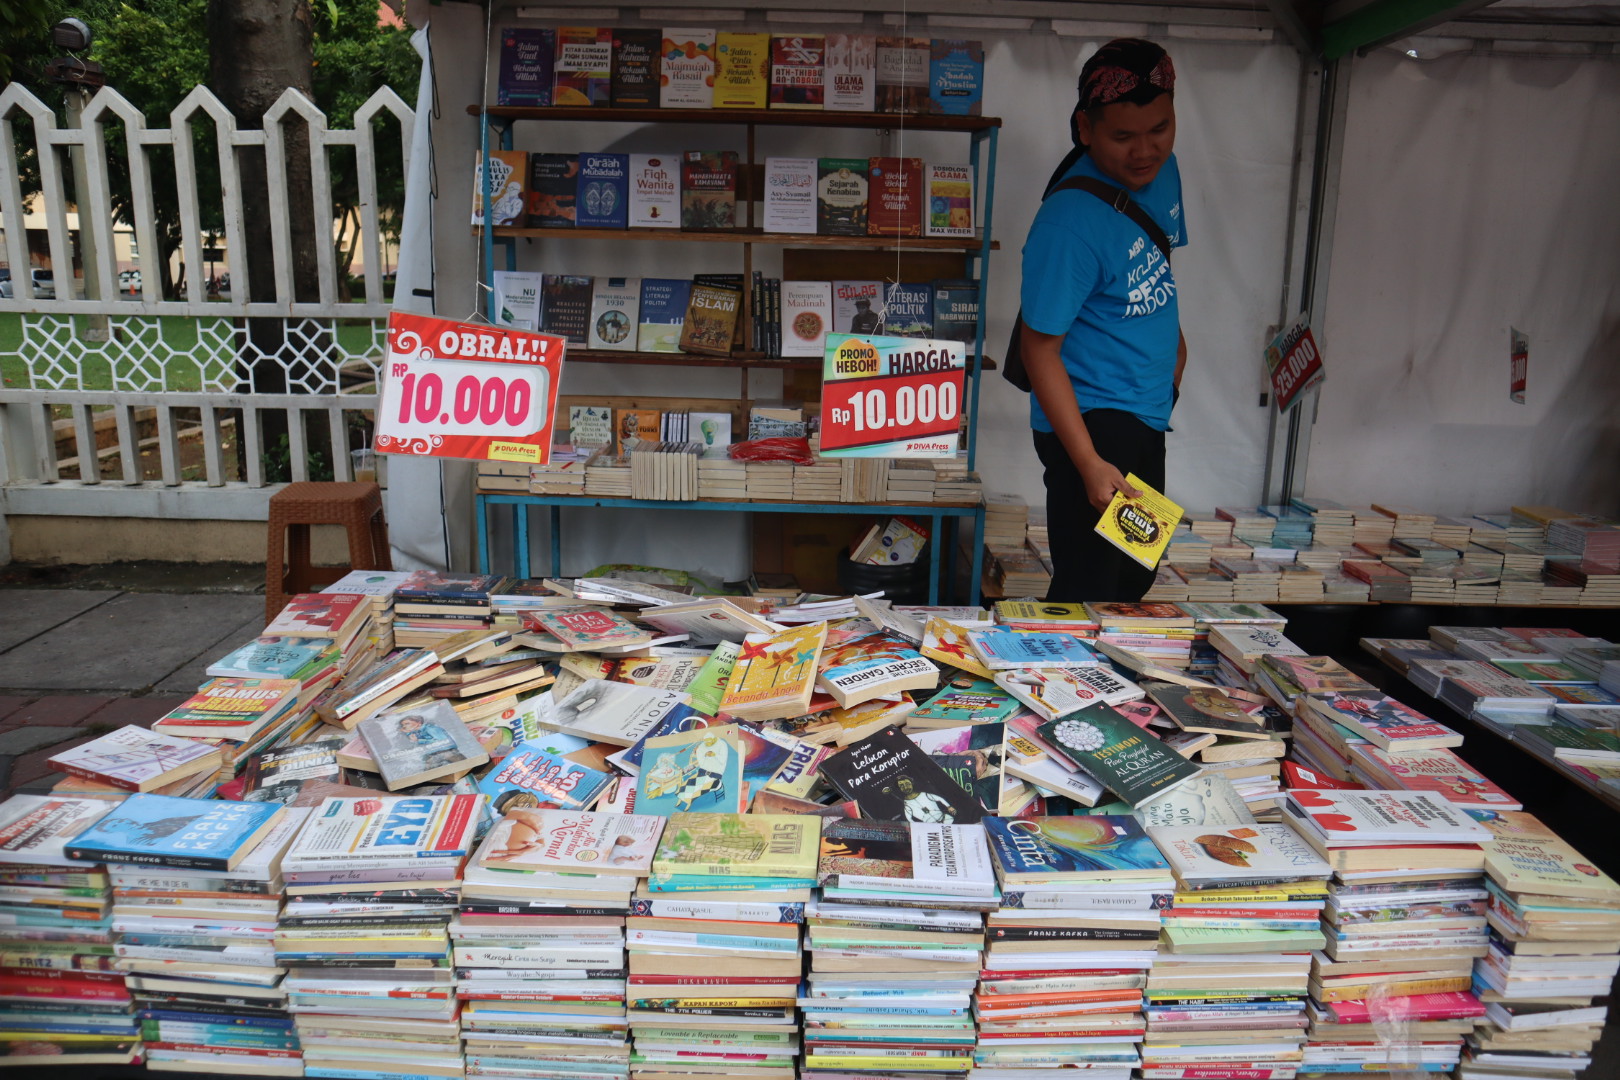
x=1120 y=67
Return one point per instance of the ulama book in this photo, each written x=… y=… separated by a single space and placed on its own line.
x=412 y=746
x=572 y=842
x=186 y=834
x=892 y=779
x=1237 y=856
x=775 y=674
x=354 y=833
x=1142 y=526
x=35 y=829
x=230 y=708
x=134 y=759
x=738 y=845
x=851 y=73
x=1073 y=849
x=901 y=856
x=1126 y=760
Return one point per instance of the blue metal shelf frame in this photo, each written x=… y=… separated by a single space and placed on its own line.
x=940 y=551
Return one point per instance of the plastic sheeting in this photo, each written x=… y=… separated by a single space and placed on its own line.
x=1477 y=193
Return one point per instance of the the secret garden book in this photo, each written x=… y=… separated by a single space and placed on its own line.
x=871 y=666
x=187 y=834
x=892 y=779
x=1126 y=760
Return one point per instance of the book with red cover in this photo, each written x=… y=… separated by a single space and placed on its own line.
x=1456 y=1005
x=894 y=202
x=321 y=615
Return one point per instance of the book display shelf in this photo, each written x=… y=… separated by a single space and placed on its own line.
x=804 y=257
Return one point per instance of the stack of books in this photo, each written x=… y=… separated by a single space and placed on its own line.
x=1293 y=527
x=1333 y=524
x=314 y=663
x=770 y=480
x=607 y=476
x=61 y=1000
x=895 y=947
x=379 y=585
x=1226 y=996
x=723 y=479
x=1069 y=949
x=1240 y=646
x=539 y=943
x=430 y=606
x=1253 y=580
x=342 y=621
x=716 y=880
x=198 y=946
x=372 y=884
x=1554 y=924
x=1249 y=524
x=820 y=482
x=1006 y=519
x=1285 y=679
x=1161 y=633
x=1385 y=583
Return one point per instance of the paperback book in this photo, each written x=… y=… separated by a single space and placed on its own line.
x=185 y=834
x=1126 y=760
x=899 y=856
x=738 y=846
x=540 y=772
x=35 y=829
x=415 y=745
x=695 y=770
x=891 y=779
x=569 y=842
x=352 y=833
x=1042 y=850
x=134 y=759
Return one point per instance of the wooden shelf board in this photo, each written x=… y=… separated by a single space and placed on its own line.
x=752 y=236
x=750 y=361
x=762 y=117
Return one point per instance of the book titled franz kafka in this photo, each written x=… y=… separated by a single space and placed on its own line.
x=1126 y=760
x=188 y=834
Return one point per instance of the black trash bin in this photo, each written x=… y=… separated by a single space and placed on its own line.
x=903 y=584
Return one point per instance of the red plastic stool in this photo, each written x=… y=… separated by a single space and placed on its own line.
x=355 y=506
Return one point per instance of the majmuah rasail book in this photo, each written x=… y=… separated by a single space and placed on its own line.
x=1141 y=527
x=35 y=829
x=186 y=834
x=901 y=856
x=355 y=833
x=571 y=842
x=891 y=779
x=134 y=759
x=1093 y=847
x=1126 y=760
x=415 y=745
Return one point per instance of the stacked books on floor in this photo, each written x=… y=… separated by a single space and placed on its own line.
x=539 y=943
x=714 y=948
x=895 y=948
x=1226 y=997
x=1554 y=927
x=1405 y=908
x=372 y=884
x=62 y=1002
x=1069 y=950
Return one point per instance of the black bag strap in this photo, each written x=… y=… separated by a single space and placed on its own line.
x=1121 y=201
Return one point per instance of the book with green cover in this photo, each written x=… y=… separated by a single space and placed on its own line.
x=747 y=845
x=1126 y=760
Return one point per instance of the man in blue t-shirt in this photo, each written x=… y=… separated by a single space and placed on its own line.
x=1101 y=338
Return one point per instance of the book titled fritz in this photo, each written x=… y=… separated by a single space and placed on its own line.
x=187 y=834
x=134 y=759
x=1126 y=760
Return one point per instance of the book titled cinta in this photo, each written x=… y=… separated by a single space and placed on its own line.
x=134 y=759
x=186 y=834
x=1042 y=850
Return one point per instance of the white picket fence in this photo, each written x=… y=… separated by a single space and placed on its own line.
x=58 y=378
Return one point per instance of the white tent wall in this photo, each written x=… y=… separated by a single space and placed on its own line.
x=1236 y=107
x=1477 y=193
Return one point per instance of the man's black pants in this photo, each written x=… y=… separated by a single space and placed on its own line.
x=1084 y=565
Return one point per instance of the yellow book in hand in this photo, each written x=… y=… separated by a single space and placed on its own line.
x=1140 y=527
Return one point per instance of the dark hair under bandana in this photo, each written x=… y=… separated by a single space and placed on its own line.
x=1121 y=68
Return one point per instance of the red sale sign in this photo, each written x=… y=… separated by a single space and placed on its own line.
x=891 y=397
x=1294 y=363
x=468 y=390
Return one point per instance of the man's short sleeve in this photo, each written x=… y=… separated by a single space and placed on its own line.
x=1060 y=271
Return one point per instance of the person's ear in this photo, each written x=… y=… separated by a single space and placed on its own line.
x=1080 y=128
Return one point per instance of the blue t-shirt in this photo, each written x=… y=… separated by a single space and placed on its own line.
x=1091 y=274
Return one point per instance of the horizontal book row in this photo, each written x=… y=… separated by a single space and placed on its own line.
x=575 y=66
x=699 y=190
x=704 y=315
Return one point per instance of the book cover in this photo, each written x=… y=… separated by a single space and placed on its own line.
x=501 y=186
x=956 y=311
x=553 y=187
x=1210 y=710
x=615 y=313
x=955 y=77
x=633 y=427
x=798 y=66
x=636 y=55
x=517 y=299
x=709 y=189
x=710 y=326
x=346 y=833
x=412 y=746
x=738 y=845
x=527 y=56
x=35 y=829
x=742 y=75
x=1437 y=771
x=134 y=759
x=383 y=682
x=948 y=643
x=229 y=708
x=663 y=312
x=858 y=307
x=1313 y=674
x=1200 y=854
x=999 y=648
x=1073 y=849
x=655 y=191
x=603 y=197
x=1342 y=818
x=891 y=779
x=319 y=615
x=873 y=665
x=775 y=674
x=1050 y=692
x=611 y=712
x=902 y=74
x=583 y=70
x=894 y=196
x=908 y=310
x=973 y=755
x=591 y=629
x=850 y=78
x=279 y=774
x=687 y=77
x=948 y=209
x=189 y=834
x=1208 y=800
x=433 y=586
x=1140 y=527
x=698 y=770
x=807 y=308
x=565 y=307
x=552 y=769
x=968 y=700
x=569 y=842
x=1123 y=758
x=841 y=196
x=1547 y=866
x=914 y=856
x=790 y=195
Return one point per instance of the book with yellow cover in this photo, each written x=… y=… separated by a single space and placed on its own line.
x=1140 y=527
x=946 y=642
x=742 y=79
x=739 y=845
x=775 y=674
x=1546 y=867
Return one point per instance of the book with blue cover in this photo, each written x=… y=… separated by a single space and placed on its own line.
x=910 y=309
x=1001 y=649
x=187 y=834
x=967 y=700
x=663 y=314
x=541 y=773
x=1082 y=848
x=274 y=657
x=955 y=77
x=603 y=197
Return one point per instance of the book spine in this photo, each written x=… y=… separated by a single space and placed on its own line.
x=176 y=862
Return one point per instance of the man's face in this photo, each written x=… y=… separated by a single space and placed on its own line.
x=1130 y=143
